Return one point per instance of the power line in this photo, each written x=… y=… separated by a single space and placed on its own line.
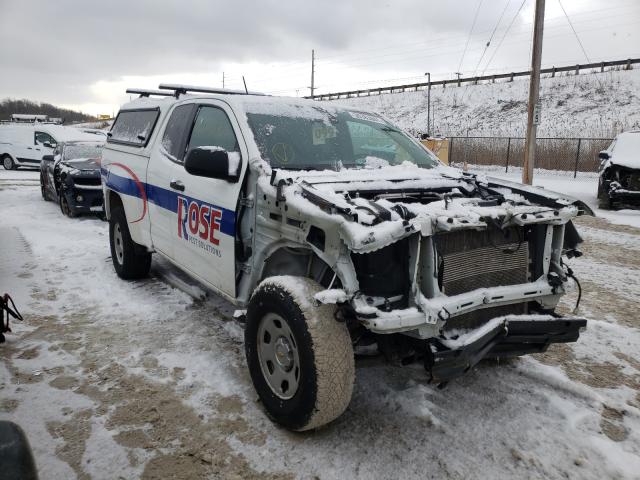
x=475 y=18
x=574 y=31
x=444 y=42
x=274 y=72
x=503 y=37
x=491 y=37
x=628 y=4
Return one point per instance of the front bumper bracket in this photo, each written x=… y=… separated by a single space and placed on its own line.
x=509 y=336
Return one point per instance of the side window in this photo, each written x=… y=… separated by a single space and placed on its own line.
x=133 y=127
x=212 y=128
x=176 y=132
x=40 y=138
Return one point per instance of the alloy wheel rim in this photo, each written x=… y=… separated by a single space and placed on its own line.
x=278 y=356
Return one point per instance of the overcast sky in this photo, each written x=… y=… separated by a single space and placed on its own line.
x=83 y=54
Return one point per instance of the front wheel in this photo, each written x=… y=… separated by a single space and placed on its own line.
x=300 y=358
x=65 y=208
x=130 y=260
x=8 y=163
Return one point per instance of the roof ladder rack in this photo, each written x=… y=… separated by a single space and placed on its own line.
x=145 y=92
x=183 y=89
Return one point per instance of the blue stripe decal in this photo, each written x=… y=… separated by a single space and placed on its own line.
x=165 y=198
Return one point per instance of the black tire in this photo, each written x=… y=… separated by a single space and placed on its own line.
x=130 y=260
x=43 y=190
x=604 y=202
x=8 y=163
x=323 y=347
x=66 y=209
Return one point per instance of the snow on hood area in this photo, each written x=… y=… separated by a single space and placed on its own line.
x=373 y=208
x=83 y=163
x=626 y=150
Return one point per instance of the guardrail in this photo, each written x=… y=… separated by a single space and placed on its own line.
x=459 y=81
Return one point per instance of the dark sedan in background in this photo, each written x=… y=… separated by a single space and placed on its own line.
x=71 y=177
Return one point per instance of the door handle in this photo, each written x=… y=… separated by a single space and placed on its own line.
x=177 y=185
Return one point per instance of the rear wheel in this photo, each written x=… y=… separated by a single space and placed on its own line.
x=8 y=163
x=300 y=358
x=130 y=260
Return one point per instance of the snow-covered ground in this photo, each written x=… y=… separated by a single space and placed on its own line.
x=114 y=379
x=586 y=105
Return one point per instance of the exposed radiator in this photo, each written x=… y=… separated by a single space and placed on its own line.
x=480 y=259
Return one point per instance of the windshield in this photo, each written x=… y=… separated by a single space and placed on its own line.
x=83 y=150
x=316 y=139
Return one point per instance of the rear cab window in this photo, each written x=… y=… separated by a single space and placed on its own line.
x=133 y=127
x=176 y=133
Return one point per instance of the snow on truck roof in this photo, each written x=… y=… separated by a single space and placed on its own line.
x=251 y=102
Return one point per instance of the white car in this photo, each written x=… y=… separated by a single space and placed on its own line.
x=24 y=144
x=338 y=234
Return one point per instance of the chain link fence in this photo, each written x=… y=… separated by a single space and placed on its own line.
x=566 y=156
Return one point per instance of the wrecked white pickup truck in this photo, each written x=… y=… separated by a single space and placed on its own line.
x=338 y=234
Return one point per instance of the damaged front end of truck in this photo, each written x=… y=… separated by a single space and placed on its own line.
x=430 y=265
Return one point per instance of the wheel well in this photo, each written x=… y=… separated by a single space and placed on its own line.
x=113 y=201
x=298 y=262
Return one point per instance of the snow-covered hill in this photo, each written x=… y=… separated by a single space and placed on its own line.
x=585 y=105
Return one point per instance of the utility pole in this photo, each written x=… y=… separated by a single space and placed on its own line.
x=428 y=74
x=222 y=79
x=313 y=68
x=533 y=116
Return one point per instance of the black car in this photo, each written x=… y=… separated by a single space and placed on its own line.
x=619 y=182
x=71 y=177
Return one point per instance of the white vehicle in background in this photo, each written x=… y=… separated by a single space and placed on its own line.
x=339 y=234
x=24 y=144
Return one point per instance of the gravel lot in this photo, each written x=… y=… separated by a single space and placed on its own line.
x=114 y=379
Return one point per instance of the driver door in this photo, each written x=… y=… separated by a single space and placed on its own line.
x=44 y=144
x=208 y=248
